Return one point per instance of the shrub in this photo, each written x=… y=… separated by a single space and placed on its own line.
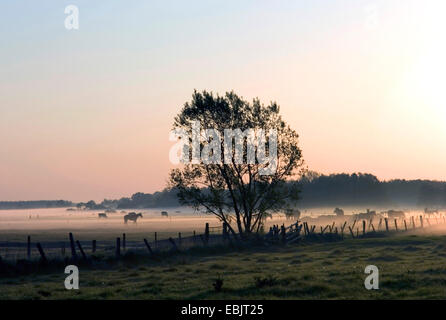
x=265 y=282
x=218 y=284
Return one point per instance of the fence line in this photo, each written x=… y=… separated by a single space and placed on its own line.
x=212 y=235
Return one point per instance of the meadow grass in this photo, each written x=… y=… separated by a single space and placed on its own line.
x=411 y=267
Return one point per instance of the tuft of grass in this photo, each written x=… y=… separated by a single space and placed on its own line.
x=218 y=284
x=268 y=281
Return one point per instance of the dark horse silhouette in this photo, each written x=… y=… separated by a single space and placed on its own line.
x=292 y=214
x=132 y=216
x=338 y=211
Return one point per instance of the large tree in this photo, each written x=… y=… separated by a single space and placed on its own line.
x=240 y=193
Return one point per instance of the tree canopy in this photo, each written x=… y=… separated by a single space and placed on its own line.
x=237 y=188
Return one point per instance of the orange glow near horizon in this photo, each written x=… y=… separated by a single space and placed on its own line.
x=87 y=115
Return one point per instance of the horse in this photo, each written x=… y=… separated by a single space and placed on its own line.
x=365 y=215
x=292 y=214
x=102 y=215
x=132 y=216
x=164 y=214
x=429 y=212
x=396 y=214
x=338 y=212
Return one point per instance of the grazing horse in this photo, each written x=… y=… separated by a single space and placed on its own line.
x=338 y=212
x=164 y=214
x=292 y=214
x=132 y=216
x=365 y=215
x=430 y=212
x=395 y=214
x=102 y=215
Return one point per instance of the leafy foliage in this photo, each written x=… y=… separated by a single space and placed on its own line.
x=231 y=190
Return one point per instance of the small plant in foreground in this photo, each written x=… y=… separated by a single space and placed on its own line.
x=218 y=284
x=265 y=282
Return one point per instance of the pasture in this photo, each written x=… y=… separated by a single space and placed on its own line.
x=411 y=267
x=412 y=263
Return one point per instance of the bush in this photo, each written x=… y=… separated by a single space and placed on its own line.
x=265 y=282
x=218 y=284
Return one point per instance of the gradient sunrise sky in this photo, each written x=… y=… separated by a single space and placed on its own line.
x=85 y=114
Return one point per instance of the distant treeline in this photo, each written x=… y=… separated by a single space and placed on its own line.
x=366 y=190
x=317 y=190
x=162 y=199
x=5 y=205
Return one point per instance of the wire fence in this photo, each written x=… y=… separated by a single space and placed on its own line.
x=158 y=241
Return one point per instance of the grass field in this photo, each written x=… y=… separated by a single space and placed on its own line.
x=410 y=266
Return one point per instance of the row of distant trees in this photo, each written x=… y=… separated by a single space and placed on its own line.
x=5 y=205
x=316 y=190
x=357 y=189
x=365 y=189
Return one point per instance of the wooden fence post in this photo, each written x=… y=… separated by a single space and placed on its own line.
x=405 y=225
x=413 y=222
x=93 y=245
x=363 y=227
x=73 y=248
x=156 y=240
x=81 y=250
x=283 y=233
x=380 y=222
x=175 y=248
x=396 y=225
x=206 y=232
x=118 y=247
x=421 y=221
x=42 y=253
x=387 y=224
x=195 y=236
x=123 y=241
x=225 y=231
x=148 y=246
x=343 y=227
x=351 y=232
x=28 y=249
x=325 y=228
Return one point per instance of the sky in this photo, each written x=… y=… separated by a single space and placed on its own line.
x=86 y=114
